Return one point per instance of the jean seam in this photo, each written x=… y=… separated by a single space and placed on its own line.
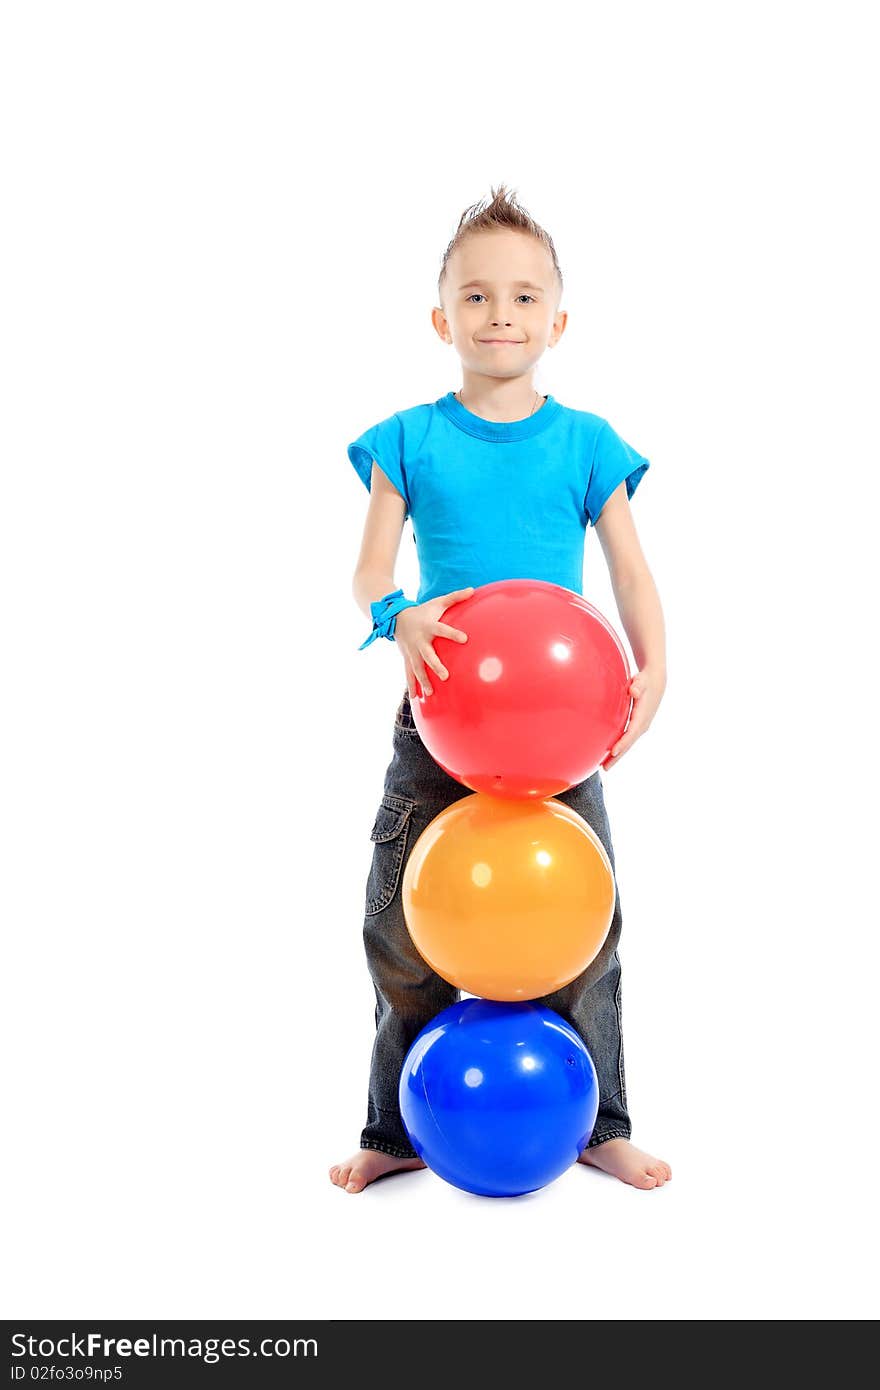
x=619 y=1011
x=393 y=1150
x=612 y=1134
x=401 y=802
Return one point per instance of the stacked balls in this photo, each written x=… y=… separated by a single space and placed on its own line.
x=509 y=894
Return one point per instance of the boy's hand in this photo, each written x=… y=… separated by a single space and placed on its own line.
x=646 y=690
x=414 y=633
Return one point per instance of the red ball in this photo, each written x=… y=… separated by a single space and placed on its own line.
x=536 y=697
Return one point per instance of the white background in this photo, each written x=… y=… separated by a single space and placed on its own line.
x=223 y=228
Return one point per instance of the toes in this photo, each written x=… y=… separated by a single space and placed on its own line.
x=656 y=1170
x=646 y=1180
x=342 y=1171
x=356 y=1183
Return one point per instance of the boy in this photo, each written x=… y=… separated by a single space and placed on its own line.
x=500 y=483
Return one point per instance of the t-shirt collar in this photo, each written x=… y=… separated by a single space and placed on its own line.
x=501 y=431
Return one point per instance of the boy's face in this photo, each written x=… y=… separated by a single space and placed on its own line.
x=500 y=285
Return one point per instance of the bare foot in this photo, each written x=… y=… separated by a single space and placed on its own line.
x=367 y=1165
x=622 y=1160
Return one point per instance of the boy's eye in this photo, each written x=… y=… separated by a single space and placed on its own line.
x=476 y=295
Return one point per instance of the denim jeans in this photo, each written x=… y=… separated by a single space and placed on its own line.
x=409 y=993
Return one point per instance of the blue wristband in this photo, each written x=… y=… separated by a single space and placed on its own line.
x=385 y=611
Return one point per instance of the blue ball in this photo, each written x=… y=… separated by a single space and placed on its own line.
x=498 y=1098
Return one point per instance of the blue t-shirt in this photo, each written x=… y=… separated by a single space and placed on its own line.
x=498 y=499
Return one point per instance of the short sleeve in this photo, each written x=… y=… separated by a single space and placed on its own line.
x=384 y=443
x=614 y=461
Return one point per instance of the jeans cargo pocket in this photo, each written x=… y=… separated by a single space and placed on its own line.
x=389 y=836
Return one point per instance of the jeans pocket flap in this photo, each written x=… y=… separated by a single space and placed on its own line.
x=391 y=817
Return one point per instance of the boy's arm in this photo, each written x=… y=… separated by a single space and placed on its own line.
x=383 y=528
x=638 y=604
x=634 y=590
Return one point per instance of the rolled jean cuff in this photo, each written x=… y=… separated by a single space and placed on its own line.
x=601 y=1135
x=391 y=1149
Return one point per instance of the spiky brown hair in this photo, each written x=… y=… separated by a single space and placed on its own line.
x=500 y=210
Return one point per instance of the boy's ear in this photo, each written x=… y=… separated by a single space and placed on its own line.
x=441 y=324
x=559 y=323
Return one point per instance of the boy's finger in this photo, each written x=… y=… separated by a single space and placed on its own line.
x=423 y=679
x=434 y=662
x=626 y=742
x=635 y=726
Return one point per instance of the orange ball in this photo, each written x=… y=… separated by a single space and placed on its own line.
x=508 y=899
